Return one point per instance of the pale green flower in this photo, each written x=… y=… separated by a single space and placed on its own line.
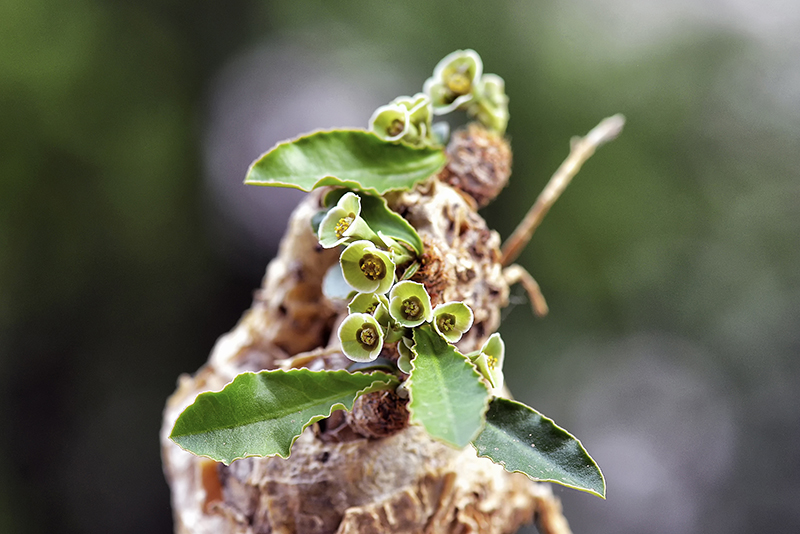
x=367 y=303
x=420 y=116
x=490 y=106
x=404 y=348
x=378 y=306
x=367 y=268
x=489 y=361
x=405 y=118
x=343 y=223
x=390 y=122
x=452 y=320
x=453 y=80
x=361 y=337
x=410 y=304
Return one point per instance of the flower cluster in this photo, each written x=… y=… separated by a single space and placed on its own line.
x=385 y=310
x=458 y=83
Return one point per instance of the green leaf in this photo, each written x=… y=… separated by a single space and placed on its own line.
x=262 y=414
x=380 y=218
x=523 y=440
x=352 y=158
x=448 y=397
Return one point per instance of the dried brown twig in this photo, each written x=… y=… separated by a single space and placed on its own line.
x=581 y=149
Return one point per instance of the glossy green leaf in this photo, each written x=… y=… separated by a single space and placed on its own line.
x=523 y=440
x=380 y=218
x=262 y=414
x=353 y=158
x=448 y=397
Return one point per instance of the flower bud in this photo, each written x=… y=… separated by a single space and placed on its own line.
x=489 y=361
x=404 y=349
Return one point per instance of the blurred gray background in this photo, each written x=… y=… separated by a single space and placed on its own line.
x=128 y=243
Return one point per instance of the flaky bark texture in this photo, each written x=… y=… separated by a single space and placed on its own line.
x=365 y=471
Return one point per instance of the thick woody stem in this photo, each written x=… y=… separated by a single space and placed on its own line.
x=367 y=470
x=581 y=149
x=351 y=476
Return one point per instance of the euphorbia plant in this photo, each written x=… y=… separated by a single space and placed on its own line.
x=400 y=335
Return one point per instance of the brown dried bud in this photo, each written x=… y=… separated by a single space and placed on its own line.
x=479 y=163
x=378 y=414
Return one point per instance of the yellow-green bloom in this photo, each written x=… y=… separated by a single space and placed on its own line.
x=489 y=361
x=420 y=116
x=361 y=337
x=453 y=80
x=404 y=348
x=367 y=303
x=452 y=320
x=378 y=306
x=343 y=223
x=490 y=106
x=390 y=122
x=367 y=268
x=405 y=118
x=409 y=304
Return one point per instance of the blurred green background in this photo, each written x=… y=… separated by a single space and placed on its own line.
x=128 y=243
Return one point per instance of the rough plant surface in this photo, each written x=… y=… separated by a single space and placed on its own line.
x=365 y=471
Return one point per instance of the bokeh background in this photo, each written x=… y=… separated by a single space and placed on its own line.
x=128 y=243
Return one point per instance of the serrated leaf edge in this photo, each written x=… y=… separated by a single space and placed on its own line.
x=376 y=385
x=333 y=180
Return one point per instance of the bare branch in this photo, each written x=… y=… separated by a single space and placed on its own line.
x=516 y=273
x=581 y=149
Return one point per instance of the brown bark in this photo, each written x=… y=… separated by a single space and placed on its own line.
x=341 y=478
